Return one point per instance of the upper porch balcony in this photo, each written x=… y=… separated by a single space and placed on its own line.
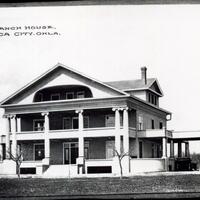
x=65 y=124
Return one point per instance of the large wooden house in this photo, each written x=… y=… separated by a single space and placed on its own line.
x=68 y=124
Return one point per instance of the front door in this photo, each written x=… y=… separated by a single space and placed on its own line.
x=70 y=152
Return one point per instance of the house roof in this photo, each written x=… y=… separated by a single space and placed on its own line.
x=54 y=68
x=137 y=84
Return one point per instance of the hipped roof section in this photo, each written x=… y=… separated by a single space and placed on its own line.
x=138 y=84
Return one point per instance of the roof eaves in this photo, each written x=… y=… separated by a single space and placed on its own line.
x=28 y=84
x=51 y=69
x=149 y=104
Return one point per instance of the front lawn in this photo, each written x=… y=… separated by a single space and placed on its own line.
x=90 y=186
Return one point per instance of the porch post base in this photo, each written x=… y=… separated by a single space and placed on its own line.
x=46 y=161
x=80 y=165
x=166 y=163
x=126 y=165
x=116 y=166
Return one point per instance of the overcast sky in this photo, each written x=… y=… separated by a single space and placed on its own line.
x=111 y=43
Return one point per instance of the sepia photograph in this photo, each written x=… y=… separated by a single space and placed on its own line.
x=100 y=99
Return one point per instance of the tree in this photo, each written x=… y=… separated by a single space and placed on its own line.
x=18 y=158
x=120 y=157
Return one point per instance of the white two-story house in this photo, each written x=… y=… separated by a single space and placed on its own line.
x=66 y=123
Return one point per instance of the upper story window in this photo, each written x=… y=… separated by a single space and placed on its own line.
x=152 y=98
x=80 y=94
x=55 y=96
x=40 y=97
x=140 y=123
x=152 y=124
x=38 y=124
x=110 y=120
x=72 y=122
x=161 y=125
x=62 y=92
x=70 y=95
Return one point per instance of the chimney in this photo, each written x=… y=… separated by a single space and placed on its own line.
x=144 y=75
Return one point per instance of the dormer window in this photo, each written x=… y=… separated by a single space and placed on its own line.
x=55 y=96
x=80 y=94
x=152 y=98
x=62 y=92
x=40 y=97
x=69 y=95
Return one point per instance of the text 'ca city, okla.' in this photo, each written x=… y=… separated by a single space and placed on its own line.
x=28 y=33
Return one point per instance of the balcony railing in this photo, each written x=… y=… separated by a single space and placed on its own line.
x=153 y=133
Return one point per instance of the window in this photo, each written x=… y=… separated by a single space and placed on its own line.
x=110 y=146
x=152 y=150
x=86 y=150
x=85 y=122
x=152 y=99
x=110 y=120
x=69 y=95
x=75 y=123
x=140 y=150
x=39 y=151
x=67 y=123
x=80 y=94
x=72 y=123
x=161 y=125
x=152 y=124
x=55 y=97
x=38 y=124
x=140 y=122
x=40 y=97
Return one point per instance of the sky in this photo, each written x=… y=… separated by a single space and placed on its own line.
x=109 y=43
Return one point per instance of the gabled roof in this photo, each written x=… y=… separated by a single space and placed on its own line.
x=53 y=70
x=138 y=84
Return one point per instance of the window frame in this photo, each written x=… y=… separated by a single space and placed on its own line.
x=78 y=93
x=37 y=120
x=73 y=123
x=35 y=144
x=152 y=124
x=41 y=97
x=70 y=93
x=161 y=125
x=113 y=115
x=140 y=122
x=64 y=118
x=55 y=94
x=86 y=117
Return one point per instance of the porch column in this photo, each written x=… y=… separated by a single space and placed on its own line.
x=136 y=137
x=80 y=159
x=126 y=132
x=117 y=130
x=172 y=149
x=126 y=139
x=18 y=125
x=7 y=130
x=164 y=147
x=14 y=137
x=46 y=139
x=179 y=149
x=187 y=153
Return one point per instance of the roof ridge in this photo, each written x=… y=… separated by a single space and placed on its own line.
x=127 y=80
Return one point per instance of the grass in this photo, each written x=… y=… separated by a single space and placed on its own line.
x=90 y=186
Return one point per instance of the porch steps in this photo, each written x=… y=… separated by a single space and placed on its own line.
x=60 y=171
